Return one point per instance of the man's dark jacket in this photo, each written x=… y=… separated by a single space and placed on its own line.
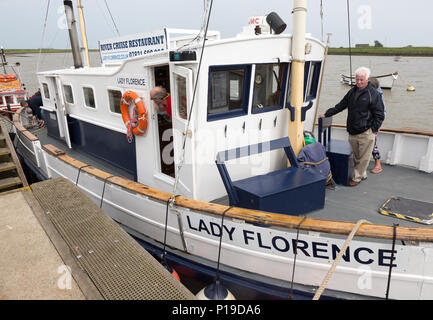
x=35 y=104
x=364 y=112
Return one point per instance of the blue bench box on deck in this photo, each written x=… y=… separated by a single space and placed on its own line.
x=291 y=190
x=339 y=153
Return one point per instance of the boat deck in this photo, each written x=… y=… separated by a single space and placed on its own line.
x=341 y=203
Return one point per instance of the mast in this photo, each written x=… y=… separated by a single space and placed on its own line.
x=296 y=127
x=83 y=31
x=73 y=36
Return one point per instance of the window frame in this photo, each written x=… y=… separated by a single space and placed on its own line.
x=84 y=97
x=64 y=93
x=247 y=68
x=313 y=79
x=284 y=85
x=45 y=85
x=108 y=97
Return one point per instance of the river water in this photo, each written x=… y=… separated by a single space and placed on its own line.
x=405 y=110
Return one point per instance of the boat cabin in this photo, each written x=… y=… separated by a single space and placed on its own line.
x=237 y=96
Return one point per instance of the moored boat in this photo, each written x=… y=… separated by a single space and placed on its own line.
x=386 y=80
x=235 y=100
x=11 y=89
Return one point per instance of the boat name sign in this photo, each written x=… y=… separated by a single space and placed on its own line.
x=131 y=81
x=282 y=243
x=115 y=50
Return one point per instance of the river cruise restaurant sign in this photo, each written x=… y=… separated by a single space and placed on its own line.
x=116 y=50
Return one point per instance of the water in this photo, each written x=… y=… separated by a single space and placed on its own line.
x=405 y=110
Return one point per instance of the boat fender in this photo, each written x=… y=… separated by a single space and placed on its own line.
x=128 y=97
x=215 y=291
x=171 y=270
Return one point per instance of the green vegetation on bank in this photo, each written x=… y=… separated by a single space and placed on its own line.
x=384 y=51
x=15 y=51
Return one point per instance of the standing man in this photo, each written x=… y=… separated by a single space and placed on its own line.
x=365 y=114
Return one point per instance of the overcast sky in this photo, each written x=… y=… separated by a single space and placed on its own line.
x=392 y=22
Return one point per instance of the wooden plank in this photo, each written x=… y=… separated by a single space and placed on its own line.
x=261 y=217
x=14 y=156
x=6 y=166
x=9 y=182
x=4 y=151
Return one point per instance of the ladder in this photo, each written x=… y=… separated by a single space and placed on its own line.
x=11 y=172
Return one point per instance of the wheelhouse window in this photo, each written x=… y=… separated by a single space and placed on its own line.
x=269 y=87
x=312 y=77
x=46 y=90
x=69 y=96
x=114 y=97
x=89 y=98
x=228 y=91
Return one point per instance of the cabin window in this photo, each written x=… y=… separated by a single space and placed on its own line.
x=46 y=91
x=69 y=97
x=114 y=97
x=312 y=76
x=89 y=98
x=269 y=86
x=228 y=91
x=181 y=96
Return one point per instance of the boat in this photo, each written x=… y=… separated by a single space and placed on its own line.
x=12 y=91
x=386 y=80
x=184 y=189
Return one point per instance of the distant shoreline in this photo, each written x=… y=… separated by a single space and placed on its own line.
x=368 y=51
x=384 y=51
x=15 y=51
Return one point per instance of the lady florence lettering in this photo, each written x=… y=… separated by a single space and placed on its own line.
x=283 y=243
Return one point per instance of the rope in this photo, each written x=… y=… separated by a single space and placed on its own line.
x=296 y=254
x=112 y=19
x=79 y=171
x=43 y=36
x=350 y=50
x=164 y=252
x=193 y=99
x=394 y=236
x=337 y=260
x=103 y=190
x=219 y=248
x=314 y=163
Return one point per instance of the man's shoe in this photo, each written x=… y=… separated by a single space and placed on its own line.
x=353 y=183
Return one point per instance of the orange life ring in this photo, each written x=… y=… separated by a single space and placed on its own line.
x=127 y=97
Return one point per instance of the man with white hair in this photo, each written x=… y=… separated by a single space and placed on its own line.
x=365 y=114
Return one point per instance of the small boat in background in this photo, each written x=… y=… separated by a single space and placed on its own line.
x=12 y=91
x=386 y=80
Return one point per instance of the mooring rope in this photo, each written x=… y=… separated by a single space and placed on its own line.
x=394 y=236
x=294 y=260
x=337 y=260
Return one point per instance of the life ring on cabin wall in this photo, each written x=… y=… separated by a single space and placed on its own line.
x=127 y=97
x=7 y=77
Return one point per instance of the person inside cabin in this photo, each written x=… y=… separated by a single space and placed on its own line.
x=376 y=154
x=162 y=100
x=34 y=104
x=364 y=117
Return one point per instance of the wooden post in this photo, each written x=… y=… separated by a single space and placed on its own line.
x=83 y=32
x=296 y=127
